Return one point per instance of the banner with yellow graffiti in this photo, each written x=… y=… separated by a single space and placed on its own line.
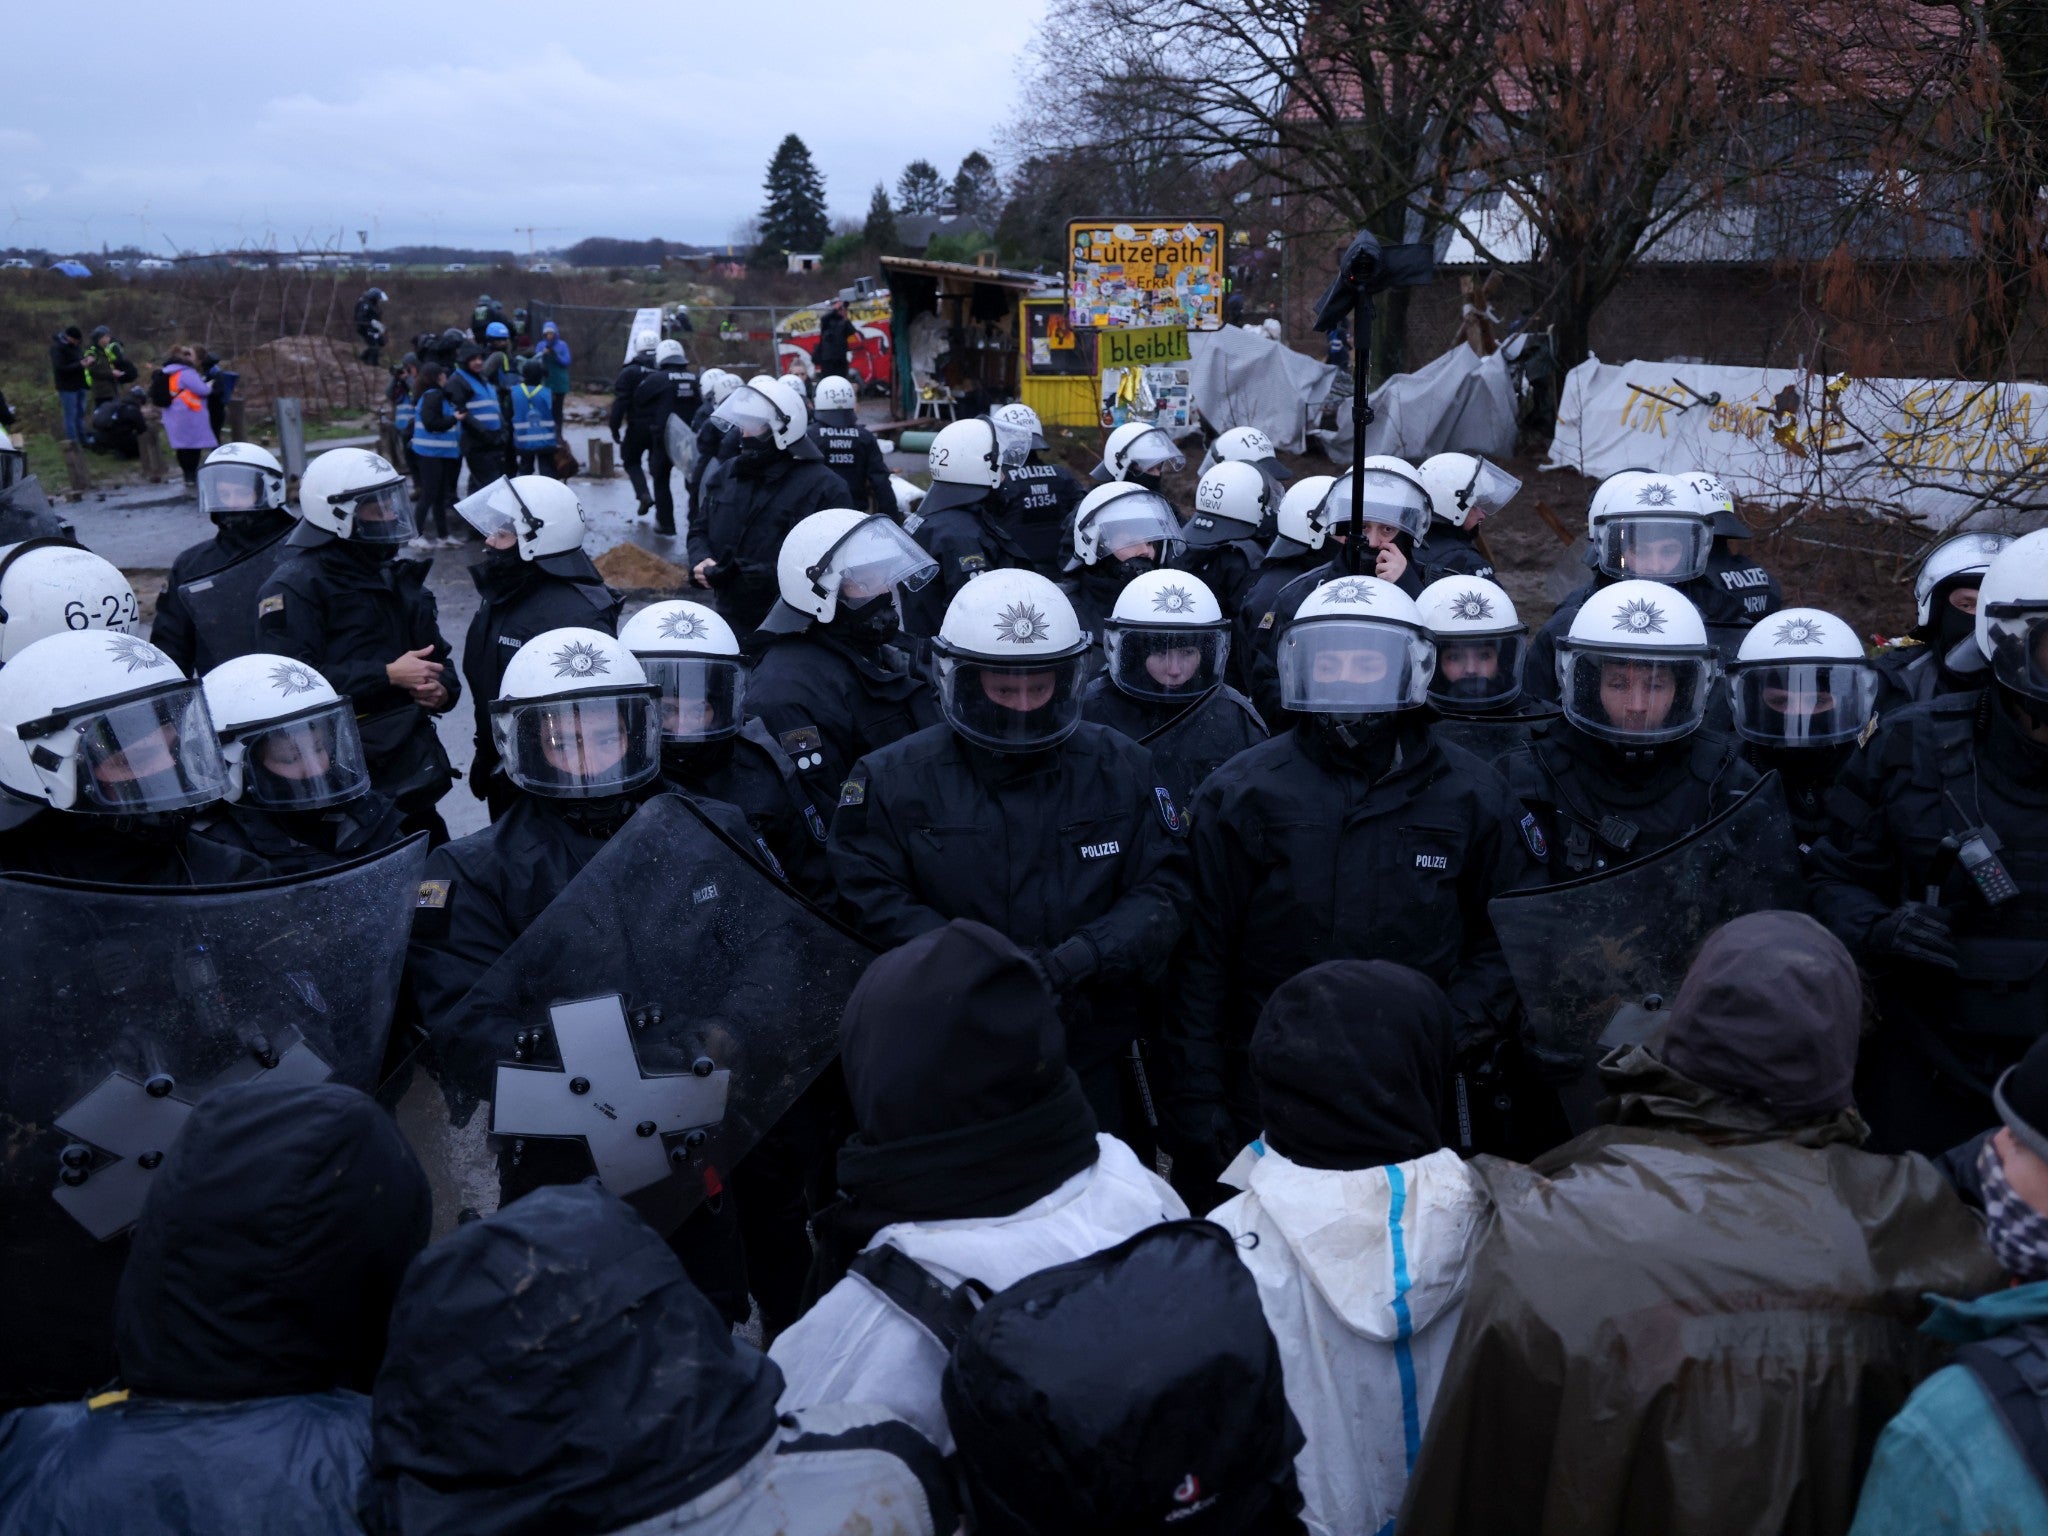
x=1938 y=449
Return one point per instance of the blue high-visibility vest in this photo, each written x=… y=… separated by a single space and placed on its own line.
x=403 y=417
x=533 y=417
x=435 y=445
x=482 y=403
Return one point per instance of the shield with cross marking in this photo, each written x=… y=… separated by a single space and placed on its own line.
x=121 y=1008
x=649 y=1026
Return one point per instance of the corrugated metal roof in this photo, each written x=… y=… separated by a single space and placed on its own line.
x=1004 y=277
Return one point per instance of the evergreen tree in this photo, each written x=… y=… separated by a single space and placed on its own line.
x=794 y=219
x=920 y=189
x=977 y=192
x=880 y=231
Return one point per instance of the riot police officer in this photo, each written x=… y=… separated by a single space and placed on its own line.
x=830 y=685
x=298 y=793
x=50 y=586
x=1019 y=814
x=1037 y=499
x=1165 y=652
x=958 y=522
x=534 y=576
x=1464 y=490
x=850 y=448
x=716 y=384
x=1802 y=694
x=671 y=390
x=1739 y=592
x=774 y=479
x=241 y=488
x=1233 y=501
x=1630 y=768
x=1121 y=530
x=1296 y=549
x=365 y=620
x=1940 y=654
x=1248 y=445
x=109 y=744
x=633 y=438
x=1354 y=835
x=1480 y=643
x=1935 y=873
x=1140 y=453
x=369 y=321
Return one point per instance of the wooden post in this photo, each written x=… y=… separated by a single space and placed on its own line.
x=76 y=467
x=238 y=420
x=600 y=465
x=154 y=468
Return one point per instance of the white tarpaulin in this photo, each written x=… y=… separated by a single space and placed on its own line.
x=1935 y=448
x=1459 y=402
x=1242 y=379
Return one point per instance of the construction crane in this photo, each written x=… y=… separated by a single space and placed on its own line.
x=530 y=230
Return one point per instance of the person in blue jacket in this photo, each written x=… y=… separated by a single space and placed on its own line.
x=249 y=1326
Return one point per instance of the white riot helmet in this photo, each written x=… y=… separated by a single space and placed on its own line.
x=1801 y=680
x=966 y=464
x=1299 y=521
x=1480 y=643
x=352 y=493
x=49 y=586
x=1230 y=503
x=1166 y=640
x=1636 y=667
x=1356 y=646
x=671 y=351
x=1395 y=497
x=834 y=394
x=1967 y=554
x=841 y=561
x=1137 y=448
x=105 y=724
x=1246 y=445
x=1650 y=526
x=239 y=480
x=1123 y=516
x=717 y=383
x=1462 y=484
x=541 y=513
x=765 y=406
x=288 y=739
x=1022 y=418
x=2012 y=615
x=575 y=717
x=1714 y=497
x=1009 y=661
x=692 y=657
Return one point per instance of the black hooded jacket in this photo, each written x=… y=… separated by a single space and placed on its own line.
x=1190 y=738
x=173 y=631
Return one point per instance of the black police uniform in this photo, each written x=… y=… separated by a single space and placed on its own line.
x=751 y=773
x=1075 y=849
x=1952 y=768
x=1035 y=506
x=1448 y=551
x=239 y=538
x=829 y=703
x=1256 y=615
x=855 y=457
x=749 y=503
x=1305 y=851
x=661 y=393
x=1093 y=591
x=1227 y=569
x=966 y=541
x=1589 y=805
x=521 y=599
x=349 y=611
x=637 y=440
x=1278 y=612
x=297 y=842
x=1807 y=775
x=161 y=849
x=711 y=440
x=1190 y=738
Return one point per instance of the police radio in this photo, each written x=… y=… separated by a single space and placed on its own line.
x=1977 y=852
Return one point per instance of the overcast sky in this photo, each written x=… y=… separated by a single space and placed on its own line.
x=227 y=122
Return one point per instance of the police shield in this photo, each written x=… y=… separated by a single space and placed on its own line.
x=1583 y=951
x=1488 y=738
x=1200 y=739
x=223 y=605
x=120 y=1009
x=656 y=1019
x=26 y=513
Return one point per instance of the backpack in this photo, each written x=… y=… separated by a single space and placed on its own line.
x=160 y=389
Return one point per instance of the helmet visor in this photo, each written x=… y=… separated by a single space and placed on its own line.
x=1170 y=664
x=702 y=697
x=1151 y=451
x=1013 y=443
x=153 y=754
x=232 y=489
x=876 y=556
x=1391 y=500
x=2018 y=633
x=1354 y=667
x=1477 y=671
x=1489 y=489
x=748 y=411
x=1632 y=697
x=1011 y=708
x=582 y=747
x=493 y=509
x=383 y=514
x=1666 y=549
x=1804 y=704
x=1133 y=523
x=305 y=764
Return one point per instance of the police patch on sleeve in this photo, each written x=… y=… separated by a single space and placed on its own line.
x=1869 y=730
x=269 y=605
x=973 y=565
x=805 y=746
x=433 y=894
x=1168 y=813
x=1267 y=621
x=853 y=792
x=1532 y=834
x=815 y=822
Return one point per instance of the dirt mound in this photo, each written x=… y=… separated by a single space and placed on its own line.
x=629 y=568
x=322 y=372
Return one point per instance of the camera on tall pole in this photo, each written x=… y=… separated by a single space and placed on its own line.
x=1366 y=270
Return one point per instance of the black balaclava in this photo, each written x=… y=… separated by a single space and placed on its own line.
x=1361 y=744
x=691 y=763
x=500 y=573
x=1950 y=626
x=754 y=456
x=867 y=626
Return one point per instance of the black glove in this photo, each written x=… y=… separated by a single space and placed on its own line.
x=1067 y=966
x=1200 y=1137
x=722 y=575
x=1914 y=930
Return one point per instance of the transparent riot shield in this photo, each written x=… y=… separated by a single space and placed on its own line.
x=223 y=605
x=123 y=1007
x=1200 y=739
x=1489 y=738
x=26 y=513
x=1584 y=951
x=656 y=1019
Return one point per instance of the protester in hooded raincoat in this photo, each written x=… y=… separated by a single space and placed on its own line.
x=552 y=1370
x=1968 y=1454
x=977 y=1158
x=249 y=1324
x=1357 y=1222
x=1696 y=1318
